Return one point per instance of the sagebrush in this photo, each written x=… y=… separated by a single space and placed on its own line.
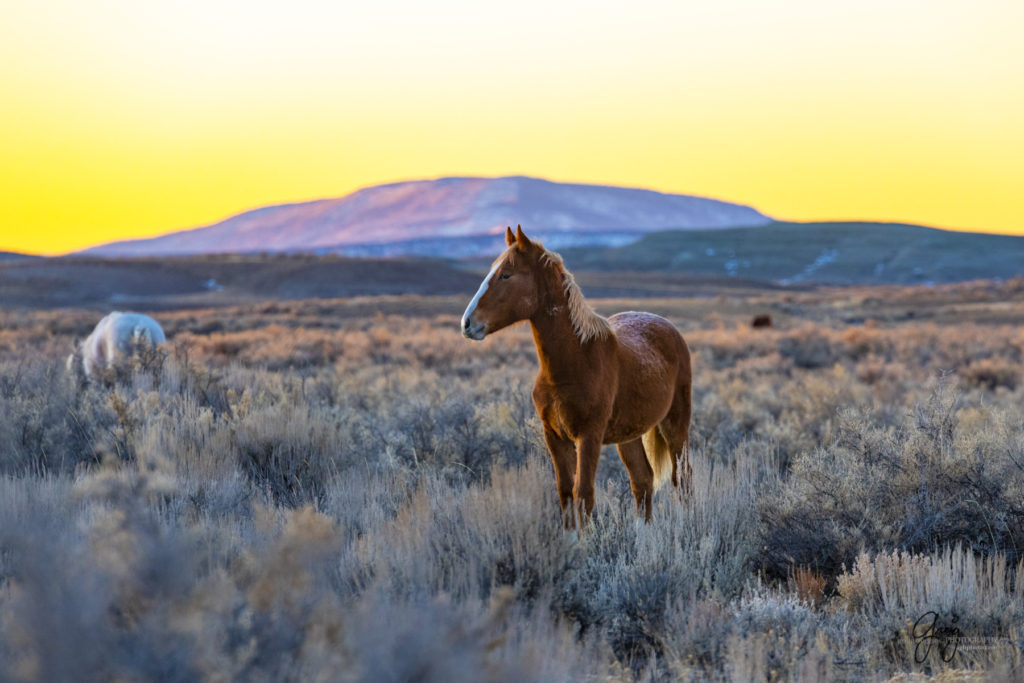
x=317 y=491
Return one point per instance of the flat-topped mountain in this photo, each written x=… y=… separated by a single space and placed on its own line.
x=450 y=217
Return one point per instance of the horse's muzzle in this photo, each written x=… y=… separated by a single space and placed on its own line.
x=471 y=330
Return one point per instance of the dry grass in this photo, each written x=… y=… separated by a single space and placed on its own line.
x=323 y=490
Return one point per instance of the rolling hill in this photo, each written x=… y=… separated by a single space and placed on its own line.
x=6 y=256
x=152 y=284
x=831 y=253
x=450 y=217
x=672 y=263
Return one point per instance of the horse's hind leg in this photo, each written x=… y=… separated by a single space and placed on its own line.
x=641 y=476
x=675 y=430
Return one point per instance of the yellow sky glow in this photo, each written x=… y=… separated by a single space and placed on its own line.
x=122 y=119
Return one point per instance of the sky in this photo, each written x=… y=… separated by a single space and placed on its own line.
x=129 y=118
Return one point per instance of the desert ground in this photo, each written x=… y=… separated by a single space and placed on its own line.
x=346 y=489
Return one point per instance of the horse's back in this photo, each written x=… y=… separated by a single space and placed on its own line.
x=648 y=336
x=144 y=326
x=128 y=328
x=116 y=334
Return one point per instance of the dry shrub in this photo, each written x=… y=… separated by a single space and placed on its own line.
x=990 y=374
x=50 y=423
x=914 y=486
x=287 y=451
x=809 y=347
x=807 y=584
x=949 y=609
x=866 y=340
x=128 y=591
x=636 y=581
x=724 y=347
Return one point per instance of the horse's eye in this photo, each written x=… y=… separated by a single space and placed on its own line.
x=504 y=276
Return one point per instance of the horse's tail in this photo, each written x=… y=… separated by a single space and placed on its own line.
x=658 y=455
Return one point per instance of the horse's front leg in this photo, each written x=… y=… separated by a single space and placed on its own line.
x=563 y=455
x=588 y=450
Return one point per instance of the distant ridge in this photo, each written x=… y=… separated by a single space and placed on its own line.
x=839 y=253
x=15 y=256
x=449 y=216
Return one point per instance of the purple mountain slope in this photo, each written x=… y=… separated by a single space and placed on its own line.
x=462 y=216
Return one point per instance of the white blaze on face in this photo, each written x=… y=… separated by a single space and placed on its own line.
x=471 y=308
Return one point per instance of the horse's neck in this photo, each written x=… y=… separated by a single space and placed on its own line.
x=560 y=353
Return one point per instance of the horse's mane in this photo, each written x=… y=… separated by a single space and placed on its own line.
x=586 y=323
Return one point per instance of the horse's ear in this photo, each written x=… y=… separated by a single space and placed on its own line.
x=521 y=239
x=510 y=238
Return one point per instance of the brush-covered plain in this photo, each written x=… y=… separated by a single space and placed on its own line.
x=348 y=490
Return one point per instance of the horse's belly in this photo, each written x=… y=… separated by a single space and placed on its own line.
x=634 y=416
x=616 y=434
x=629 y=420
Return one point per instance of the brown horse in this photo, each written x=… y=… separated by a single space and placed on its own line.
x=622 y=380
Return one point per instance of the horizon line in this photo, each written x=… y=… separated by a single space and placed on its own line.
x=824 y=222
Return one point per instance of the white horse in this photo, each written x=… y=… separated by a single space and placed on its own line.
x=118 y=335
